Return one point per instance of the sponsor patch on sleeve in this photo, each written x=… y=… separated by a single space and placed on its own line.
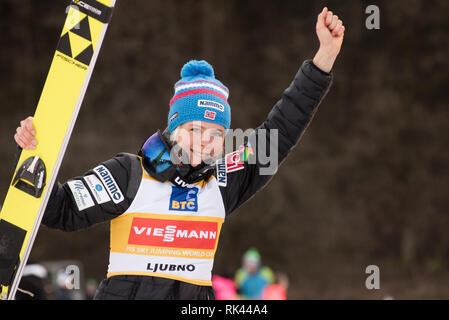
x=109 y=183
x=221 y=172
x=81 y=195
x=97 y=189
x=234 y=162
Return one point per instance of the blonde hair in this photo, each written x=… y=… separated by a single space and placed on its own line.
x=174 y=136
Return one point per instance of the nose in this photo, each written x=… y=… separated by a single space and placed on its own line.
x=206 y=138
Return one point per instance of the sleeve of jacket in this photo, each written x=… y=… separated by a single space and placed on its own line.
x=290 y=118
x=99 y=195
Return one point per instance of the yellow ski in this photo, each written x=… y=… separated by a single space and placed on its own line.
x=54 y=119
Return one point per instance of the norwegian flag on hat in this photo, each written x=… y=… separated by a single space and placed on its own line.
x=209 y=114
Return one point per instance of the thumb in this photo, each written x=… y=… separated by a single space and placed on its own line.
x=322 y=17
x=29 y=125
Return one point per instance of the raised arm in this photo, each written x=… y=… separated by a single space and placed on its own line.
x=287 y=121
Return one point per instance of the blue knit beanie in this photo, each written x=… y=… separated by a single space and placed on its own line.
x=199 y=96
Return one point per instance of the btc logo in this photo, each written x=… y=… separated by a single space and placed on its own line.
x=184 y=199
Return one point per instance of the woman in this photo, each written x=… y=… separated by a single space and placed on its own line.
x=166 y=204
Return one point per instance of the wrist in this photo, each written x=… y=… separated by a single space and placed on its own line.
x=324 y=59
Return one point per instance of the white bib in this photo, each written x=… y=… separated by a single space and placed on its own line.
x=168 y=232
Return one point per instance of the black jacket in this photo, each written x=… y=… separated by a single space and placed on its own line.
x=290 y=116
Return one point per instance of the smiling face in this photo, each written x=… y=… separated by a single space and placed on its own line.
x=201 y=140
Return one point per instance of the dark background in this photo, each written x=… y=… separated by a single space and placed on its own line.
x=368 y=184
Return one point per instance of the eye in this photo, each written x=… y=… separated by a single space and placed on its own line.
x=196 y=130
x=217 y=134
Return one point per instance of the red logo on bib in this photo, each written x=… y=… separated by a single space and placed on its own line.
x=173 y=233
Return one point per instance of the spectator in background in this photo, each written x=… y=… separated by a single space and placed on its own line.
x=277 y=290
x=61 y=291
x=253 y=277
x=91 y=288
x=33 y=283
x=224 y=288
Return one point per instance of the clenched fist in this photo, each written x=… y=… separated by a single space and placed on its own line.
x=330 y=31
x=25 y=134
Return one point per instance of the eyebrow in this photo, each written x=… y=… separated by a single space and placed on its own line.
x=199 y=126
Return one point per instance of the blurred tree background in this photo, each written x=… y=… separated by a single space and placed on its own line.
x=369 y=182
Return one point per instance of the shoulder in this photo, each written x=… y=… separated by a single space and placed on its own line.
x=128 y=162
x=267 y=274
